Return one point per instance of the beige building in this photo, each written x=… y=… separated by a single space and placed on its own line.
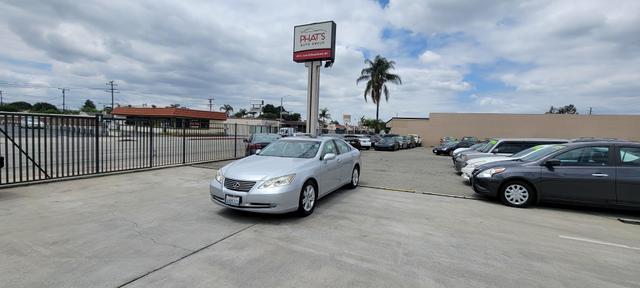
x=484 y=125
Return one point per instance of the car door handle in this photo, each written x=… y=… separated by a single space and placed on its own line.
x=339 y=160
x=599 y=175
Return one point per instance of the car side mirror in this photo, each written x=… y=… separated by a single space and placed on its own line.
x=258 y=151
x=329 y=156
x=552 y=162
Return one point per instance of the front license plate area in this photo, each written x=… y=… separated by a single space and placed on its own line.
x=232 y=200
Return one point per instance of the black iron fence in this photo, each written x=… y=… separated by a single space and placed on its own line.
x=36 y=147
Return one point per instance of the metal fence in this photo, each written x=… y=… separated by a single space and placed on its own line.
x=36 y=147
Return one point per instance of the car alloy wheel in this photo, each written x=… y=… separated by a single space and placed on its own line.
x=517 y=194
x=355 y=178
x=307 y=201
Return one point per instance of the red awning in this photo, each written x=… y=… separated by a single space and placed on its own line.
x=169 y=113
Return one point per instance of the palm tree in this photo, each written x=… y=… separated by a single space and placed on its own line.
x=377 y=75
x=324 y=115
x=226 y=108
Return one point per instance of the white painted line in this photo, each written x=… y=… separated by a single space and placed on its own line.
x=599 y=242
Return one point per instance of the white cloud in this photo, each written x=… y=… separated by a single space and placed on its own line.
x=163 y=52
x=429 y=57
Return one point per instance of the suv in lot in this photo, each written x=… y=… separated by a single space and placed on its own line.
x=600 y=173
x=502 y=147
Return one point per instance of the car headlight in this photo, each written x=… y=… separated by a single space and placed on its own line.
x=488 y=173
x=219 y=177
x=278 y=181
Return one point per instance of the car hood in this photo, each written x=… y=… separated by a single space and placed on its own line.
x=257 y=168
x=483 y=160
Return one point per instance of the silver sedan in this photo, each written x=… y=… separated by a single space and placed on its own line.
x=289 y=175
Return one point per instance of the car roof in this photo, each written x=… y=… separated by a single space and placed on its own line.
x=531 y=140
x=603 y=142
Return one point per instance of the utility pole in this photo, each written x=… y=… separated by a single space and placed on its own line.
x=590 y=110
x=210 y=104
x=112 y=89
x=1 y=103
x=64 y=90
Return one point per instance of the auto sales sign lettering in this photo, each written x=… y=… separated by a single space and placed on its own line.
x=314 y=42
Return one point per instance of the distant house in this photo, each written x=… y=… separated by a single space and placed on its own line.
x=173 y=117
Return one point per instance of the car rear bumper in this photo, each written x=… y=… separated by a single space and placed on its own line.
x=274 y=200
x=384 y=147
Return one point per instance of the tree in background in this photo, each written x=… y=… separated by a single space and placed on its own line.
x=241 y=113
x=291 y=117
x=568 y=109
x=89 y=106
x=324 y=116
x=44 y=107
x=270 y=112
x=8 y=108
x=377 y=75
x=21 y=105
x=227 y=109
x=374 y=124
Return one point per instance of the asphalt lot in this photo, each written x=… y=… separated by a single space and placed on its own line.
x=159 y=229
x=414 y=169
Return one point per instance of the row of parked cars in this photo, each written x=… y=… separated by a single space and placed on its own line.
x=394 y=142
x=390 y=142
x=523 y=172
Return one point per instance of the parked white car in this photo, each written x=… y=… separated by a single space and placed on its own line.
x=417 y=138
x=467 y=170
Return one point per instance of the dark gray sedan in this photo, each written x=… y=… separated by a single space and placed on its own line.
x=598 y=173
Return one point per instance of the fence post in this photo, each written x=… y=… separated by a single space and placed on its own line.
x=235 y=140
x=151 y=124
x=97 y=143
x=184 y=144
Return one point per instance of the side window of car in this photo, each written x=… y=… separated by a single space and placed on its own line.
x=329 y=147
x=508 y=147
x=343 y=147
x=586 y=156
x=630 y=156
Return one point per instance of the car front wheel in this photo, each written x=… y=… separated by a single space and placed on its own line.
x=517 y=194
x=308 y=197
x=355 y=178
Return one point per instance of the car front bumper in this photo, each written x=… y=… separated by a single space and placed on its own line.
x=485 y=186
x=467 y=172
x=272 y=200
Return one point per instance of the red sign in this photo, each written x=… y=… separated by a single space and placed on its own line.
x=312 y=54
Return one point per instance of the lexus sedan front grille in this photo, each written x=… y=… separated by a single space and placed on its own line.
x=238 y=185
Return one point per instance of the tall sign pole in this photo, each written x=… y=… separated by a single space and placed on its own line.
x=312 y=44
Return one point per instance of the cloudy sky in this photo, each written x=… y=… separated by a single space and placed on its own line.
x=453 y=56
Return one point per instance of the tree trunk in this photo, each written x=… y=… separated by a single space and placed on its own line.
x=377 y=112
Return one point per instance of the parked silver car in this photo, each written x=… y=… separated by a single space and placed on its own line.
x=290 y=174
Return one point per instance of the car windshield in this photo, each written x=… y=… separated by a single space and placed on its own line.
x=539 y=154
x=292 y=149
x=262 y=138
x=528 y=151
x=488 y=146
x=477 y=146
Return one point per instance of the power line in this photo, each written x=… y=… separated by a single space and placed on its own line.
x=111 y=89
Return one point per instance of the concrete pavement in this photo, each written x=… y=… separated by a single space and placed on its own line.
x=108 y=231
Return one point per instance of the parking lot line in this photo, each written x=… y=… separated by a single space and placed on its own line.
x=599 y=242
x=419 y=192
x=185 y=256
